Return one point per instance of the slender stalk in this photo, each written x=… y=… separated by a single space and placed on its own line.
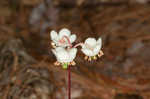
x=69 y=71
x=79 y=44
x=69 y=83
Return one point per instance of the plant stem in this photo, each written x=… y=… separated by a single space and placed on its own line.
x=79 y=44
x=69 y=82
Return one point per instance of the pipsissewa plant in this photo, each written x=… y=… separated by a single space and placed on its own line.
x=65 y=52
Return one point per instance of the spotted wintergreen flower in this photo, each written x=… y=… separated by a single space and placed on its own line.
x=64 y=56
x=63 y=38
x=91 y=48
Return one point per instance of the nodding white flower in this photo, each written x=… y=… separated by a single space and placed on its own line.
x=65 y=56
x=91 y=47
x=64 y=38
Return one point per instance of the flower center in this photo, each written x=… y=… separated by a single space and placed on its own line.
x=62 y=41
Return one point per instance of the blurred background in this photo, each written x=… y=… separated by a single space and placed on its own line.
x=26 y=60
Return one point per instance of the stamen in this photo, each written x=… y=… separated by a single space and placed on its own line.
x=95 y=58
x=100 y=53
x=86 y=57
x=73 y=63
x=53 y=45
x=57 y=63
x=89 y=59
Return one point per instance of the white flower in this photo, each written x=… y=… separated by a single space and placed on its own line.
x=64 y=38
x=64 y=55
x=91 y=47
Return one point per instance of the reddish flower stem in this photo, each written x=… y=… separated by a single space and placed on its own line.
x=79 y=44
x=69 y=83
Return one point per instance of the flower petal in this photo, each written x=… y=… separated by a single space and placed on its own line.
x=72 y=53
x=72 y=38
x=84 y=46
x=64 y=32
x=53 y=35
x=91 y=42
x=63 y=57
x=87 y=52
x=54 y=52
x=62 y=54
x=99 y=42
x=96 y=49
x=59 y=49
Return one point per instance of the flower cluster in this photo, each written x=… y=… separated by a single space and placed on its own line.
x=65 y=52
